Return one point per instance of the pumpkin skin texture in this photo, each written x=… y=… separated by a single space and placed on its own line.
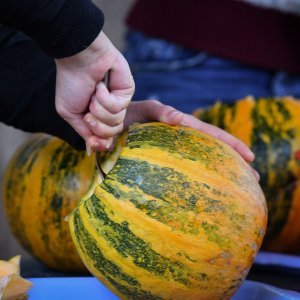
x=44 y=181
x=179 y=216
x=271 y=128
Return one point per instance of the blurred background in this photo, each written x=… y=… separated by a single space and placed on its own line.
x=114 y=11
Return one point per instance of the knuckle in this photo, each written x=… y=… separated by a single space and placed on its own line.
x=125 y=101
x=93 y=107
x=100 y=95
x=168 y=108
x=102 y=131
x=116 y=107
x=118 y=118
x=60 y=110
x=106 y=131
x=132 y=87
x=121 y=116
x=154 y=102
x=119 y=128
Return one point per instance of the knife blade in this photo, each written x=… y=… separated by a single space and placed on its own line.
x=97 y=154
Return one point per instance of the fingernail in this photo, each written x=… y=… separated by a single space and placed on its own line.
x=257 y=176
x=96 y=145
x=88 y=150
x=251 y=156
x=100 y=85
x=173 y=117
x=174 y=113
x=109 y=143
x=91 y=121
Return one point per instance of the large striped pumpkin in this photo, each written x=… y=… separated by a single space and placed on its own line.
x=179 y=216
x=43 y=183
x=271 y=128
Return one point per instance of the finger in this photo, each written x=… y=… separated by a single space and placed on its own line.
x=102 y=114
x=121 y=83
x=120 y=78
x=94 y=143
x=256 y=174
x=113 y=101
x=152 y=110
x=101 y=130
x=76 y=121
x=218 y=133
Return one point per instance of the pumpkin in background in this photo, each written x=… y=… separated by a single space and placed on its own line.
x=271 y=128
x=43 y=183
x=179 y=216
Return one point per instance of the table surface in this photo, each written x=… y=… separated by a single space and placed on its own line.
x=277 y=275
x=78 y=288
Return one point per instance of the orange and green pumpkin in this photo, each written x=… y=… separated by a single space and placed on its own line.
x=43 y=183
x=271 y=128
x=180 y=215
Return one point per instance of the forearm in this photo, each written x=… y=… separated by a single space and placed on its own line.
x=36 y=112
x=27 y=89
x=71 y=33
x=42 y=117
x=60 y=28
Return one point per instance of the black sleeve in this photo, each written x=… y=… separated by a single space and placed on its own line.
x=27 y=88
x=60 y=27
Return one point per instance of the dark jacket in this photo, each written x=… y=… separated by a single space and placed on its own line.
x=33 y=33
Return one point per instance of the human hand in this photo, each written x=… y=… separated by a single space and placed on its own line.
x=153 y=110
x=83 y=100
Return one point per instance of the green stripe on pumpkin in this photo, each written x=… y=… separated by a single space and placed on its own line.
x=280 y=141
x=30 y=154
x=185 y=194
x=24 y=161
x=127 y=244
x=169 y=202
x=108 y=269
x=279 y=204
x=173 y=139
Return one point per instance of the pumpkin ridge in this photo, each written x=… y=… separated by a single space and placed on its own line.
x=138 y=290
x=43 y=181
x=232 y=180
x=128 y=245
x=145 y=200
x=148 y=223
x=274 y=137
x=140 y=276
x=105 y=269
x=107 y=198
x=127 y=218
x=276 y=217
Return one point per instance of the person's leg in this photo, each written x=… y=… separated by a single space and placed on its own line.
x=285 y=84
x=188 y=80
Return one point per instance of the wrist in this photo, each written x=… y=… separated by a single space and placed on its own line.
x=97 y=48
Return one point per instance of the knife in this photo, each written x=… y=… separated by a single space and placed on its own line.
x=97 y=154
